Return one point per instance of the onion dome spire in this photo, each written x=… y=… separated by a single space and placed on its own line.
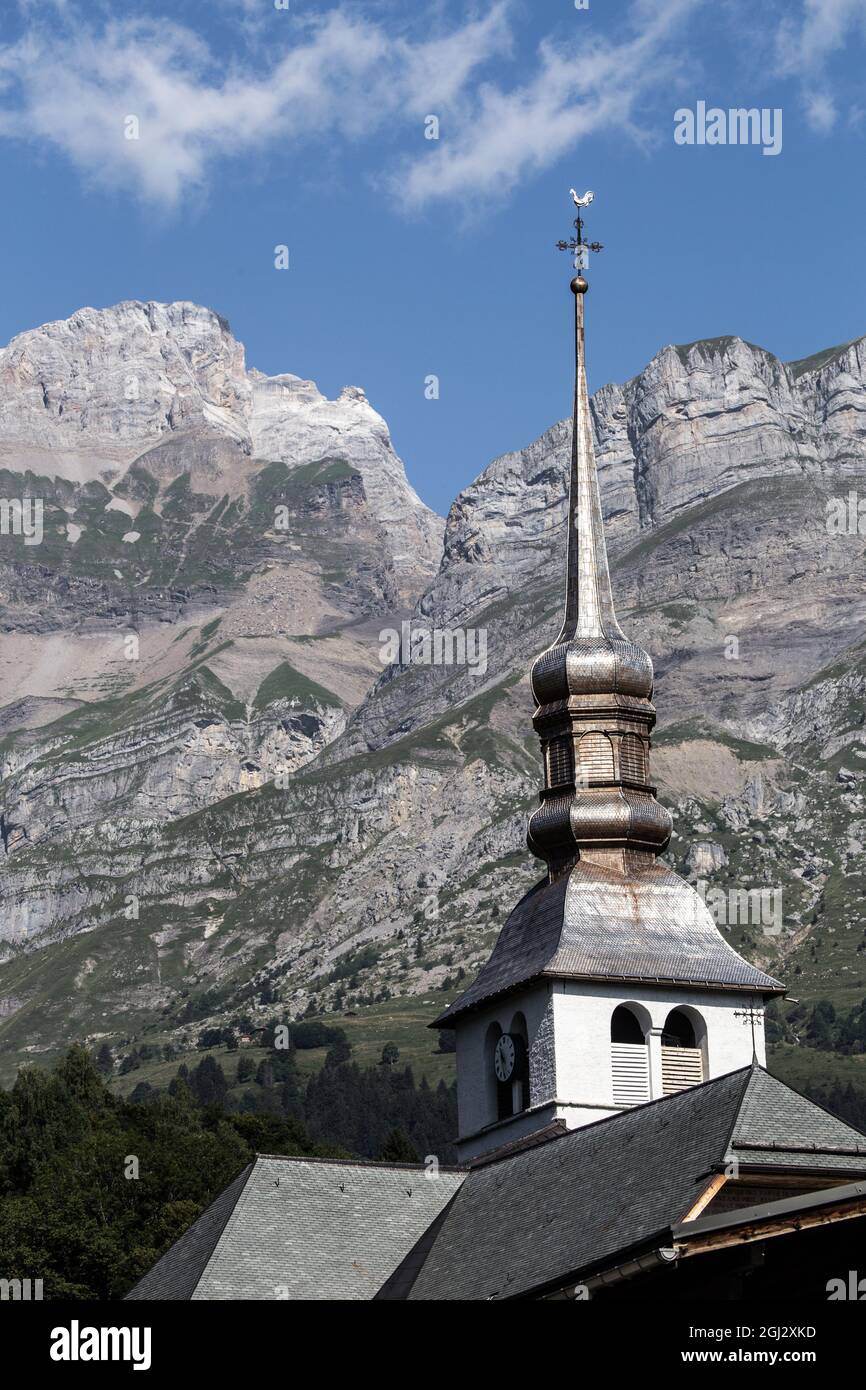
x=593 y=687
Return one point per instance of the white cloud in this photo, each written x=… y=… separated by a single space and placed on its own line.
x=820 y=111
x=344 y=76
x=575 y=90
x=805 y=43
x=71 y=86
x=822 y=28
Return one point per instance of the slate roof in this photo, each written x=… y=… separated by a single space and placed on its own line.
x=596 y=924
x=598 y=1194
x=301 y=1228
x=777 y=1127
x=510 y=1226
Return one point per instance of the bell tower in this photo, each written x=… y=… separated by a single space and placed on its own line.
x=610 y=984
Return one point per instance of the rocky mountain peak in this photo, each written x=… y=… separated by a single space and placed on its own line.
x=87 y=397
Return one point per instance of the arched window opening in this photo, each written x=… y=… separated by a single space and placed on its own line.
x=491 y=1088
x=511 y=1067
x=678 y=1030
x=629 y=1057
x=520 y=1093
x=682 y=1057
x=625 y=1028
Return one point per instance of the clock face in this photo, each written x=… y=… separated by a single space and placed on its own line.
x=504 y=1057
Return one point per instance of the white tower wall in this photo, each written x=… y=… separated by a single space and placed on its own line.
x=568 y=1033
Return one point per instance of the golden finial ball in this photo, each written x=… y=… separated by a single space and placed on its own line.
x=579 y=285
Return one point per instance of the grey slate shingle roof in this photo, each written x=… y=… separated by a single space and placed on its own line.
x=303 y=1229
x=594 y=923
x=583 y=1200
x=790 y=1129
x=317 y=1229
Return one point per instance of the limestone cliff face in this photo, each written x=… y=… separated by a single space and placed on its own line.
x=252 y=799
x=82 y=399
x=699 y=420
x=187 y=629
x=716 y=465
x=289 y=419
x=113 y=382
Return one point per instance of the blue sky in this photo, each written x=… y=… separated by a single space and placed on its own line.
x=304 y=126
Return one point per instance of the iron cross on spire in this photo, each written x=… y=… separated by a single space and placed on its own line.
x=752 y=1016
x=579 y=248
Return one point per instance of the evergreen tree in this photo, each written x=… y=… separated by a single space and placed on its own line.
x=143 y=1092
x=398 y=1149
x=339 y=1051
x=246 y=1070
x=68 y=1211
x=207 y=1082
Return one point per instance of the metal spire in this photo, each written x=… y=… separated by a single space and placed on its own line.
x=592 y=686
x=589 y=610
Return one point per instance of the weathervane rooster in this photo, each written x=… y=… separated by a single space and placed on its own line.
x=578 y=247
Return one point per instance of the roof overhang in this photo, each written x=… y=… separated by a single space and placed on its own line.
x=769 y=1219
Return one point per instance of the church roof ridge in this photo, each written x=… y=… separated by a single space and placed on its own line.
x=360 y=1162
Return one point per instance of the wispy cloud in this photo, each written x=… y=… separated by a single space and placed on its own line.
x=576 y=89
x=74 y=90
x=806 y=42
x=71 y=85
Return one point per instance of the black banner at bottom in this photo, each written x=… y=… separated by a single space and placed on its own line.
x=214 y=1338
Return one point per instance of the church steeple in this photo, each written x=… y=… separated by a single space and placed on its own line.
x=592 y=687
x=610 y=983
